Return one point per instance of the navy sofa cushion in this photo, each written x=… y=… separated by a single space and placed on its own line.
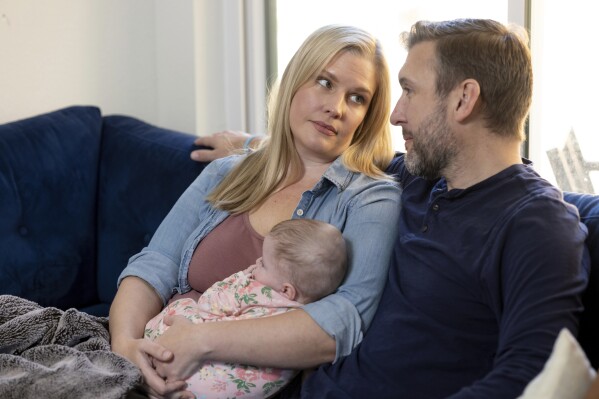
x=588 y=208
x=48 y=176
x=143 y=171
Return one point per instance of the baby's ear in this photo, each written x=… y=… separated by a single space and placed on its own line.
x=289 y=291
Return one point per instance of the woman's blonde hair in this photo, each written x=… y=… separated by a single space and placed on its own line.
x=260 y=173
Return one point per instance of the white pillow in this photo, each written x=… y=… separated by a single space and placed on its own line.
x=566 y=375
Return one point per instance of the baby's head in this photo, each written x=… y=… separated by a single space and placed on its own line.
x=303 y=259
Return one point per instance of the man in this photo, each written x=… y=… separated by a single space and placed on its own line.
x=490 y=262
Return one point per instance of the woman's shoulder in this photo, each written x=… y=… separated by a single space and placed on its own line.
x=359 y=180
x=361 y=185
x=366 y=185
x=215 y=172
x=222 y=166
x=345 y=178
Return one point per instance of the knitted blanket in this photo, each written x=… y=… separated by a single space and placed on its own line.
x=55 y=354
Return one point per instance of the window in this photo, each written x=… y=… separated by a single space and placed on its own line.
x=564 y=139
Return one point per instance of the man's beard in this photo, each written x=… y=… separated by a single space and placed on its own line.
x=433 y=147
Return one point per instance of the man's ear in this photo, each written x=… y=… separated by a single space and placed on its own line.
x=289 y=291
x=467 y=96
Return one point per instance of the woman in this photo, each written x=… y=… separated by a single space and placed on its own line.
x=328 y=145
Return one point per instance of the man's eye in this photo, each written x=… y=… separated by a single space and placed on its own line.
x=324 y=82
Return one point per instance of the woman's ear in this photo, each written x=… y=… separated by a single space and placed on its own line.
x=289 y=291
x=469 y=94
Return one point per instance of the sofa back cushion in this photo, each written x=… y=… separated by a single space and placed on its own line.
x=48 y=179
x=144 y=169
x=588 y=208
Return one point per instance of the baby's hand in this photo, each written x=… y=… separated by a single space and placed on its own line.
x=250 y=271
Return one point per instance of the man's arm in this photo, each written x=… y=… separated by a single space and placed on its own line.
x=225 y=143
x=544 y=273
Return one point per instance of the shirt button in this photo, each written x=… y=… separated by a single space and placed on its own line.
x=299 y=212
x=424 y=228
x=436 y=207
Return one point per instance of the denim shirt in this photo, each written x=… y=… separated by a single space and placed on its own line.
x=365 y=210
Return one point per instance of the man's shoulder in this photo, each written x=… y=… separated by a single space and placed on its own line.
x=396 y=165
x=540 y=196
x=542 y=210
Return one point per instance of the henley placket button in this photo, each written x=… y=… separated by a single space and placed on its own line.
x=436 y=207
x=424 y=228
x=299 y=212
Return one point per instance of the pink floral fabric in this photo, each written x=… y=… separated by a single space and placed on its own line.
x=237 y=297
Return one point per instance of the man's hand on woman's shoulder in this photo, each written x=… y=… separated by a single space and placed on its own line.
x=222 y=144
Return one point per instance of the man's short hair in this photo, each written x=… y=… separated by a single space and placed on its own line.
x=495 y=55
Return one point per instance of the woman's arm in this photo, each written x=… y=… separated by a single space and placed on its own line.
x=291 y=340
x=370 y=229
x=158 y=264
x=134 y=305
x=150 y=277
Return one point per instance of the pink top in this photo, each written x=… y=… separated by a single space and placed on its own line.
x=232 y=246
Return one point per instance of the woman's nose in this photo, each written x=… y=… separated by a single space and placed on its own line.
x=334 y=107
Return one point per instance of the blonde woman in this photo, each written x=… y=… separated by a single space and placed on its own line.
x=328 y=146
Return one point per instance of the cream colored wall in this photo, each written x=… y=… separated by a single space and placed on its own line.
x=63 y=52
x=178 y=64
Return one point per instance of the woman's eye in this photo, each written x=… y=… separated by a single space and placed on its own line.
x=358 y=99
x=324 y=82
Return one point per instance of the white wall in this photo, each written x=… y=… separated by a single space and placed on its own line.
x=175 y=65
x=178 y=64
x=64 y=52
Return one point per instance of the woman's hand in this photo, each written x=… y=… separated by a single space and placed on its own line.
x=135 y=303
x=144 y=353
x=178 y=338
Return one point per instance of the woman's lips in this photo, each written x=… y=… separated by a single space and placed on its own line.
x=325 y=128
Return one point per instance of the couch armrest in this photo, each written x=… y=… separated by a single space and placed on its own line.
x=48 y=180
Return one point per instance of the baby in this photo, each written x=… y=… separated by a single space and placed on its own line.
x=302 y=261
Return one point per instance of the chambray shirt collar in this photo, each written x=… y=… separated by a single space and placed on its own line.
x=337 y=174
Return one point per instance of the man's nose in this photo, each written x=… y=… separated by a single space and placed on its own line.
x=397 y=116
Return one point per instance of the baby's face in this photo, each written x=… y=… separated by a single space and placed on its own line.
x=267 y=270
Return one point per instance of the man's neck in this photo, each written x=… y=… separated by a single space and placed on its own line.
x=481 y=159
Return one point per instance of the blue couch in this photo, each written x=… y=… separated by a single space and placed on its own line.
x=80 y=193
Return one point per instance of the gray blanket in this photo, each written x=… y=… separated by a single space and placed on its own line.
x=50 y=353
